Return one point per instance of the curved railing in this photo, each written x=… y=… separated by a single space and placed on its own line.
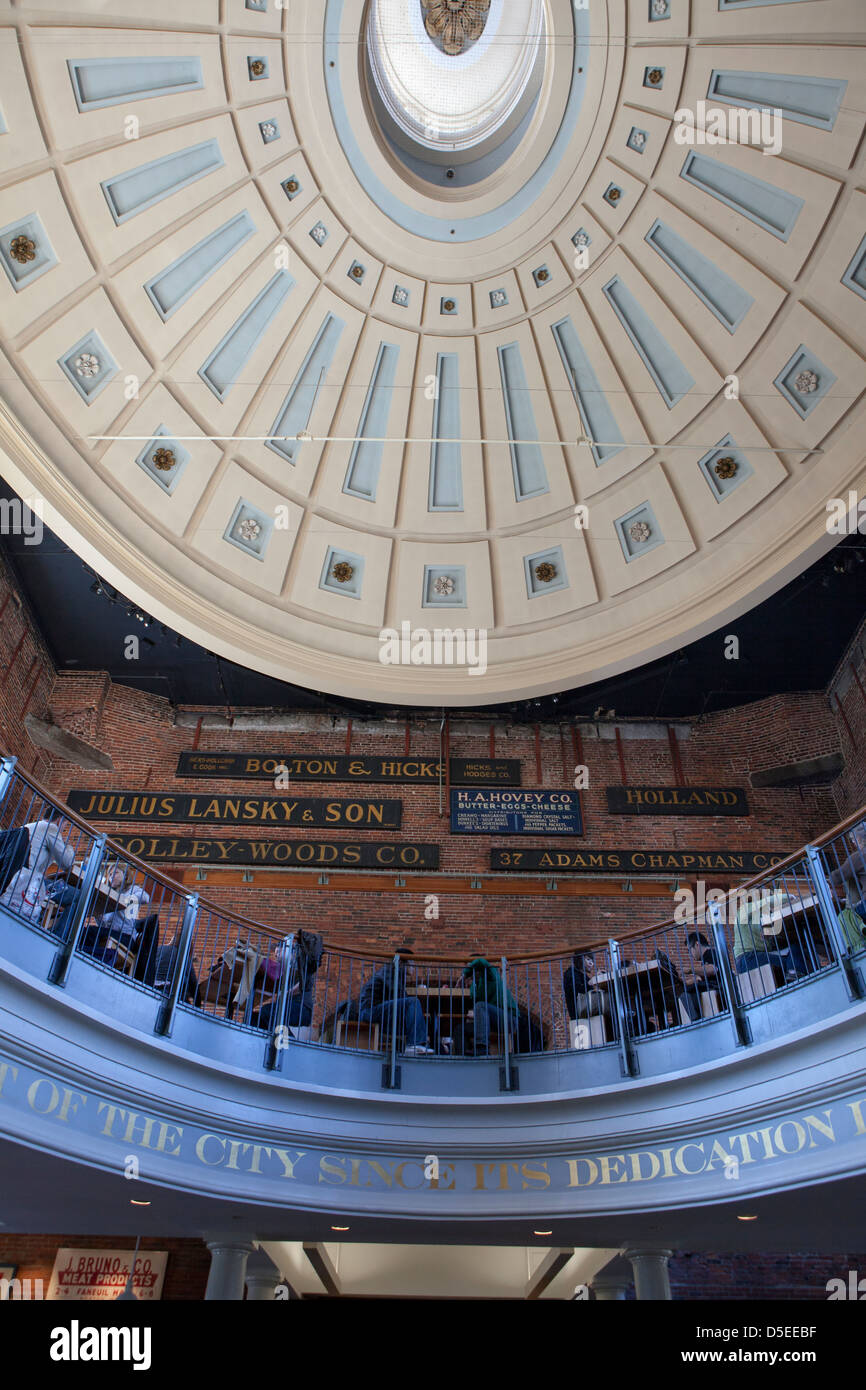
x=711 y=959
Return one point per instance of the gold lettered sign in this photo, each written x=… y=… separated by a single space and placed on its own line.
x=118 y=1130
x=324 y=767
x=677 y=801
x=637 y=861
x=336 y=854
x=237 y=810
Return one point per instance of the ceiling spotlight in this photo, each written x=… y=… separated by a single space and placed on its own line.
x=750 y=1217
x=542 y=1233
x=339 y=1228
x=134 y=1203
x=97 y=587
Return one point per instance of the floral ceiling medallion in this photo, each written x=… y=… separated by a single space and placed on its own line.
x=455 y=25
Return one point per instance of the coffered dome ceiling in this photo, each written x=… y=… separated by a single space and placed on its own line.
x=301 y=343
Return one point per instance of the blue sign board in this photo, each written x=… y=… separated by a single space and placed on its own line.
x=491 y=811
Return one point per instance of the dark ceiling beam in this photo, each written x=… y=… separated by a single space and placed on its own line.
x=553 y=1263
x=318 y=1258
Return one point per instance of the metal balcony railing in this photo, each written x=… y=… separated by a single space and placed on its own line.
x=719 y=955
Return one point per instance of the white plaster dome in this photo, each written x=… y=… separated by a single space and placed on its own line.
x=286 y=393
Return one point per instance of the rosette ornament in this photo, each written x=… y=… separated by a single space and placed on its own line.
x=455 y=24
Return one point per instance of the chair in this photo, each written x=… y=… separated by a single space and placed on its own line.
x=352 y=1032
x=755 y=984
x=587 y=1032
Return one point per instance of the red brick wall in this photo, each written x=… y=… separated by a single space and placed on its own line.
x=847 y=698
x=186 y=1268
x=26 y=675
x=758 y=1276
x=139 y=733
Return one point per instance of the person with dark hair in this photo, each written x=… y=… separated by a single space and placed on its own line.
x=299 y=955
x=700 y=977
x=381 y=1001
x=582 y=998
x=492 y=1002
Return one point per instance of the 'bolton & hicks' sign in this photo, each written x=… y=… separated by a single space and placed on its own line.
x=322 y=767
x=236 y=810
x=677 y=801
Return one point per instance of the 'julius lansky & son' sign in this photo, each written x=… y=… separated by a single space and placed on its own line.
x=236 y=810
x=677 y=801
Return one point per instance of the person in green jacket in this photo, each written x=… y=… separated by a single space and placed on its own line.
x=491 y=1002
x=853 y=929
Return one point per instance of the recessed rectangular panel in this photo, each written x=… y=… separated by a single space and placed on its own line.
x=174 y=285
x=446 y=458
x=527 y=463
x=297 y=408
x=809 y=100
x=722 y=295
x=100 y=82
x=596 y=415
x=764 y=204
x=667 y=371
x=131 y=193
x=362 y=475
x=227 y=361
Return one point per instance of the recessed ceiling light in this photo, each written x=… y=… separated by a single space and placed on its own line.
x=339 y=1228
x=134 y=1203
x=542 y=1233
x=747 y=1218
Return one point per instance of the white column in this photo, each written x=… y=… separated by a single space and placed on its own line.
x=609 y=1288
x=228 y=1265
x=262 y=1278
x=650 y=1273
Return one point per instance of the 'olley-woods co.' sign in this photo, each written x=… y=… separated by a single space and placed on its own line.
x=238 y=1164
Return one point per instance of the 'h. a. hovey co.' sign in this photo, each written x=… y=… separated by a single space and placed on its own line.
x=494 y=812
x=236 y=810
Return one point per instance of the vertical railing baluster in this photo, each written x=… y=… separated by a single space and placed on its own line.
x=508 y=1075
x=60 y=965
x=7 y=772
x=741 y=1026
x=179 y=968
x=831 y=921
x=629 y=1061
x=391 y=1078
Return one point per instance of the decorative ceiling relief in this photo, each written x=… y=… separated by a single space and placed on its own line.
x=385 y=307
x=455 y=25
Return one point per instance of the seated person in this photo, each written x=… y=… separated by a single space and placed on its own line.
x=26 y=892
x=166 y=958
x=125 y=924
x=853 y=927
x=755 y=947
x=701 y=977
x=582 y=998
x=380 y=1002
x=491 y=1003
x=300 y=955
